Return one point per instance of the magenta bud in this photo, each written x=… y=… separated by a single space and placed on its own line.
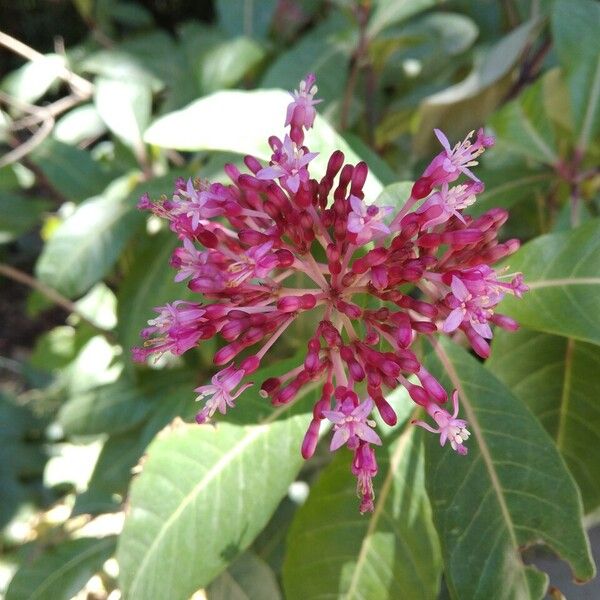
x=463 y=237
x=311 y=438
x=269 y=386
x=206 y=238
x=332 y=252
x=286 y=394
x=252 y=163
x=505 y=322
x=432 y=385
x=336 y=160
x=252 y=237
x=418 y=394
x=253 y=335
x=225 y=354
x=421 y=188
x=307 y=301
x=359 y=176
x=386 y=411
x=375 y=257
x=479 y=344
x=232 y=172
x=288 y=304
x=389 y=367
x=250 y=364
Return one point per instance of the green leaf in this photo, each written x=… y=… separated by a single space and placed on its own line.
x=395 y=194
x=85 y=247
x=247 y=578
x=524 y=127
x=62 y=571
x=19 y=214
x=562 y=271
x=111 y=408
x=512 y=490
x=575 y=25
x=251 y=18
x=73 y=172
x=34 y=78
x=125 y=107
x=244 y=471
x=465 y=105
x=557 y=378
x=392 y=12
x=217 y=123
x=390 y=553
x=227 y=63
x=79 y=124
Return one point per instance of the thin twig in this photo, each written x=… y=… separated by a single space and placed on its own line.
x=55 y=108
x=78 y=83
x=51 y=294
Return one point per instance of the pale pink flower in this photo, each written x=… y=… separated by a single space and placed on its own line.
x=220 y=393
x=351 y=425
x=301 y=111
x=367 y=221
x=448 y=426
x=448 y=201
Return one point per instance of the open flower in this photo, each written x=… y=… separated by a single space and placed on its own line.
x=351 y=425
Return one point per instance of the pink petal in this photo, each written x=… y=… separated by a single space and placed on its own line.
x=362 y=411
x=340 y=437
x=454 y=319
x=443 y=140
x=293 y=182
x=357 y=206
x=367 y=434
x=459 y=289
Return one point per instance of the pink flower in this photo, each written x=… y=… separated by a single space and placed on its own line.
x=367 y=221
x=288 y=164
x=277 y=242
x=448 y=426
x=364 y=467
x=301 y=112
x=219 y=394
x=351 y=425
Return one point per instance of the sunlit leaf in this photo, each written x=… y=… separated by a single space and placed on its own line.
x=79 y=124
x=61 y=571
x=245 y=471
x=512 y=490
x=392 y=12
x=575 y=25
x=557 y=378
x=33 y=79
x=563 y=273
x=388 y=554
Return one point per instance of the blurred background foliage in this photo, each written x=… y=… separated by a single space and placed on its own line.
x=91 y=99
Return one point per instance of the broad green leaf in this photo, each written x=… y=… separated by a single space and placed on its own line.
x=34 y=78
x=85 y=247
x=191 y=470
x=79 y=124
x=562 y=271
x=524 y=127
x=575 y=25
x=19 y=214
x=226 y=64
x=390 y=553
x=62 y=571
x=111 y=408
x=251 y=18
x=465 y=105
x=512 y=490
x=392 y=12
x=247 y=578
x=73 y=172
x=149 y=284
x=395 y=194
x=125 y=106
x=557 y=378
x=131 y=14
x=241 y=121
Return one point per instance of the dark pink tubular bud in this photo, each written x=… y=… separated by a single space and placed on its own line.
x=360 y=266
x=426 y=327
x=284 y=258
x=277 y=196
x=216 y=311
x=308 y=301
x=432 y=385
x=359 y=176
x=389 y=367
x=479 y=344
x=287 y=394
x=310 y=439
x=232 y=172
x=375 y=257
x=269 y=386
x=227 y=353
x=374 y=378
x=253 y=335
x=334 y=164
x=417 y=393
x=335 y=267
x=505 y=322
x=250 y=364
x=350 y=309
x=252 y=163
x=332 y=252
x=288 y=304
x=248 y=182
x=462 y=237
x=303 y=197
x=206 y=238
x=501 y=250
x=385 y=410
x=330 y=334
x=206 y=332
x=232 y=329
x=430 y=240
x=421 y=188
x=424 y=308
x=500 y=216
x=252 y=237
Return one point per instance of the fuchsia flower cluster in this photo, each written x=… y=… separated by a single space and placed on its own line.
x=242 y=243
